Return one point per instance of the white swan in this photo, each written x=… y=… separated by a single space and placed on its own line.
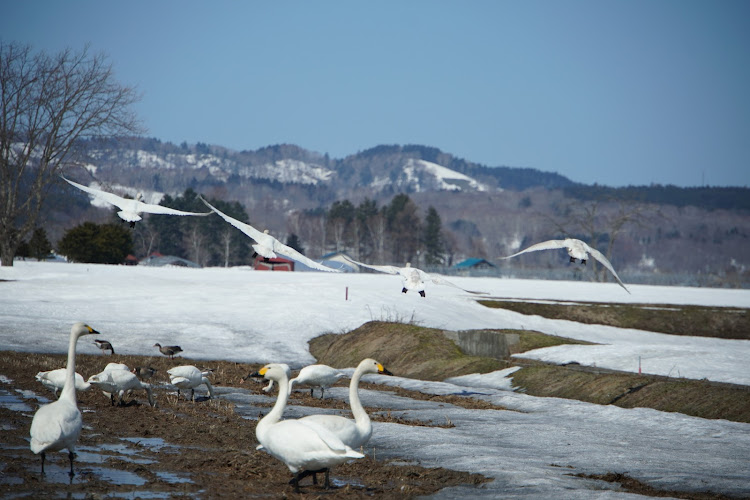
x=130 y=209
x=56 y=425
x=577 y=249
x=189 y=377
x=357 y=432
x=54 y=380
x=302 y=446
x=411 y=277
x=268 y=246
x=320 y=376
x=117 y=382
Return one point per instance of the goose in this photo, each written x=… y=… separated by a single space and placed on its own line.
x=118 y=382
x=303 y=446
x=56 y=425
x=577 y=249
x=320 y=376
x=353 y=433
x=144 y=372
x=130 y=209
x=54 y=380
x=412 y=278
x=266 y=245
x=104 y=346
x=168 y=350
x=189 y=377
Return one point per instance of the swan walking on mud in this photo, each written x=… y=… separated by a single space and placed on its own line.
x=56 y=425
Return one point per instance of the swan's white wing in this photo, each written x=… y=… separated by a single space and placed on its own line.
x=330 y=439
x=605 y=262
x=290 y=252
x=245 y=228
x=438 y=280
x=160 y=209
x=382 y=269
x=545 y=245
x=110 y=198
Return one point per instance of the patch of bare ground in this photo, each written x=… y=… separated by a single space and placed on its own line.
x=702 y=321
x=206 y=442
x=632 y=485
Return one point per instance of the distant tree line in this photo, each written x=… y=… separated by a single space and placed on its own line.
x=710 y=198
x=395 y=232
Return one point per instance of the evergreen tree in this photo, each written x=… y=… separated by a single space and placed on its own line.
x=294 y=242
x=95 y=243
x=433 y=238
x=39 y=245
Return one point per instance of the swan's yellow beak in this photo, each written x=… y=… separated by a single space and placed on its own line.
x=382 y=370
x=91 y=330
x=263 y=371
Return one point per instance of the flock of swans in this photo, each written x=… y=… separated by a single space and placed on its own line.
x=269 y=247
x=307 y=446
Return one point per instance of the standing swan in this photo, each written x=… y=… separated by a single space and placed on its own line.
x=321 y=376
x=56 y=426
x=189 y=377
x=302 y=446
x=353 y=433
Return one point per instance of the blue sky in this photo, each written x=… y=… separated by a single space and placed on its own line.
x=612 y=92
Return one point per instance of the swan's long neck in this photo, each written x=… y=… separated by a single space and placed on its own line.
x=69 y=390
x=360 y=415
x=277 y=411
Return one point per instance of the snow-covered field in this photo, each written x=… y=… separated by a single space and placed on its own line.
x=250 y=316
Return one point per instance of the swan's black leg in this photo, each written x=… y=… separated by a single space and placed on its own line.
x=583 y=261
x=42 y=463
x=327 y=484
x=572 y=259
x=71 y=455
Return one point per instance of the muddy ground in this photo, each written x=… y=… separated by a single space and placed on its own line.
x=180 y=448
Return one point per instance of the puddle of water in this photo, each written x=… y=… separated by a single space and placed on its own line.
x=116 y=476
x=10 y=401
x=338 y=483
x=122 y=452
x=171 y=477
x=27 y=394
x=153 y=444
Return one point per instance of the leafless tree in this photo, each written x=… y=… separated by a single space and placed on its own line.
x=47 y=105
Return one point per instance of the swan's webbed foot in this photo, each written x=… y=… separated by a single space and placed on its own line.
x=421 y=293
x=572 y=259
x=132 y=224
x=404 y=290
x=583 y=261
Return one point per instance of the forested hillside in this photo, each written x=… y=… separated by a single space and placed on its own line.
x=335 y=204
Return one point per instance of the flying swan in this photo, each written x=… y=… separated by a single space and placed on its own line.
x=130 y=210
x=56 y=425
x=412 y=278
x=357 y=432
x=268 y=246
x=303 y=446
x=577 y=249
